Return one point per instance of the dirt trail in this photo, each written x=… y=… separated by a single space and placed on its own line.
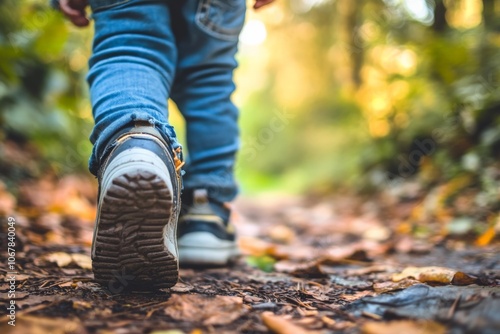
x=310 y=266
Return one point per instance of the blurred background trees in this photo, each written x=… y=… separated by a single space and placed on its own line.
x=361 y=96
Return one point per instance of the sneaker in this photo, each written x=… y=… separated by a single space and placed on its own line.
x=205 y=235
x=134 y=245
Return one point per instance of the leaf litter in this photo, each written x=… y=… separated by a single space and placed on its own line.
x=311 y=265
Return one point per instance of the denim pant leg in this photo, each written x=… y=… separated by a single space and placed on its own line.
x=207 y=36
x=131 y=69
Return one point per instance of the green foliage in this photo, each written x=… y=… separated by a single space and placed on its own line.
x=263 y=262
x=366 y=86
x=42 y=99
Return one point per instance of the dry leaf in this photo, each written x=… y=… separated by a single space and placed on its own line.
x=377 y=233
x=182 y=288
x=19 y=278
x=64 y=259
x=485 y=238
x=7 y=200
x=81 y=305
x=310 y=269
x=83 y=261
x=281 y=233
x=40 y=325
x=60 y=258
x=17 y=296
x=435 y=275
x=383 y=287
x=208 y=310
x=356 y=296
x=281 y=325
x=403 y=326
x=255 y=246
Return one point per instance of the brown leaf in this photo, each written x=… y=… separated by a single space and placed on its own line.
x=383 y=287
x=19 y=278
x=309 y=269
x=182 y=288
x=17 y=296
x=281 y=325
x=83 y=261
x=435 y=275
x=356 y=296
x=7 y=200
x=63 y=259
x=40 y=325
x=208 y=310
x=281 y=233
x=60 y=258
x=81 y=305
x=33 y=300
x=403 y=326
x=255 y=246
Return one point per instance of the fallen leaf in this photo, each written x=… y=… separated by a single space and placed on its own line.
x=281 y=233
x=255 y=246
x=207 y=310
x=182 y=288
x=63 y=259
x=435 y=275
x=40 y=325
x=7 y=200
x=252 y=299
x=17 y=296
x=310 y=269
x=81 y=260
x=281 y=325
x=19 y=278
x=81 y=305
x=403 y=326
x=328 y=321
x=350 y=283
x=33 y=300
x=263 y=262
x=60 y=258
x=377 y=233
x=383 y=287
x=485 y=238
x=356 y=296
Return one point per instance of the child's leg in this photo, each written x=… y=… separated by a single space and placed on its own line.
x=131 y=69
x=207 y=36
x=130 y=76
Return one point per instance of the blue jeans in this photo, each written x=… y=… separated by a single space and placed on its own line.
x=146 y=51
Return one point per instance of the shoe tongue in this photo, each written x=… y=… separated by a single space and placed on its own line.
x=200 y=196
x=202 y=205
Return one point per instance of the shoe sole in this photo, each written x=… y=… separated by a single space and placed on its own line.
x=130 y=251
x=205 y=249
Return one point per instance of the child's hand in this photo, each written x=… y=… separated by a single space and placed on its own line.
x=261 y=3
x=74 y=10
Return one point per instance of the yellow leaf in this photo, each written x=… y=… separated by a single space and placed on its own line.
x=435 y=275
x=485 y=238
x=403 y=326
x=281 y=325
x=60 y=258
x=83 y=261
